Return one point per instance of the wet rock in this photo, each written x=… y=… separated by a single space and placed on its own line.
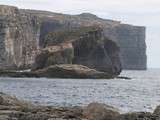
x=12 y=103
x=98 y=111
x=138 y=116
x=14 y=73
x=94 y=111
x=37 y=116
x=27 y=111
x=61 y=71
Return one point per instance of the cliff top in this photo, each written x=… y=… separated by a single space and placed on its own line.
x=8 y=10
x=83 y=19
x=87 y=19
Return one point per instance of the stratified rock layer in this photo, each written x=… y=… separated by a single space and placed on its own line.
x=52 y=55
x=23 y=34
x=130 y=39
x=72 y=71
x=19 y=35
x=85 y=46
x=60 y=71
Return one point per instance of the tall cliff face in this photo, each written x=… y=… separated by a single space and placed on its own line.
x=22 y=34
x=130 y=39
x=19 y=39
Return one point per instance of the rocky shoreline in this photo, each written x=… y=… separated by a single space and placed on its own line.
x=12 y=108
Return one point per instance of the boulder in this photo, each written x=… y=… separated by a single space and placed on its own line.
x=12 y=108
x=98 y=111
x=8 y=100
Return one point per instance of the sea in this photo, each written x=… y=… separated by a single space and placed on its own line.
x=140 y=93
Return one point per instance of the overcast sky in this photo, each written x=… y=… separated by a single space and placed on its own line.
x=136 y=12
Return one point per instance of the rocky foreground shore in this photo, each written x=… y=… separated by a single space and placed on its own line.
x=13 y=109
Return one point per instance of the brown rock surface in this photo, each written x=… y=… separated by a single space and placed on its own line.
x=98 y=111
x=13 y=109
x=72 y=71
x=51 y=55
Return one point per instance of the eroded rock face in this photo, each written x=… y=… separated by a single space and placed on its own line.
x=85 y=46
x=51 y=55
x=19 y=38
x=23 y=35
x=95 y=51
x=130 y=39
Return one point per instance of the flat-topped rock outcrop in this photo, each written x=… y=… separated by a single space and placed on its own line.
x=73 y=71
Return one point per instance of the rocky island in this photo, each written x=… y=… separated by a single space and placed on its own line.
x=67 y=46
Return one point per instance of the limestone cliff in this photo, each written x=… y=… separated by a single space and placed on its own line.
x=83 y=45
x=23 y=33
x=19 y=38
x=130 y=39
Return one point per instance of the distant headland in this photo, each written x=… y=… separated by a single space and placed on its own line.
x=67 y=46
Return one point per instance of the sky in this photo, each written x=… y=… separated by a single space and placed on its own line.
x=136 y=12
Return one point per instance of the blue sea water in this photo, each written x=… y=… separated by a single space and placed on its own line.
x=141 y=93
